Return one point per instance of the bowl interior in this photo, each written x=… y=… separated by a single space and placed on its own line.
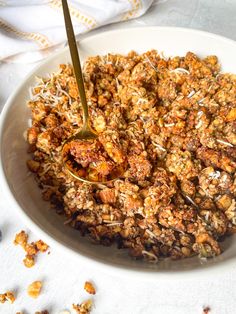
x=19 y=184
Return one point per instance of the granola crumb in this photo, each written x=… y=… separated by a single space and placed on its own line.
x=42 y=312
x=31 y=249
x=34 y=289
x=83 y=308
x=88 y=287
x=21 y=238
x=41 y=246
x=7 y=297
x=29 y=261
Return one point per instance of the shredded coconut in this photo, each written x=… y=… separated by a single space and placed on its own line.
x=180 y=70
x=191 y=94
x=225 y=143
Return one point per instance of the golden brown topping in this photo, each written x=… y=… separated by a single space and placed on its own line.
x=111 y=144
x=73 y=89
x=21 y=238
x=140 y=167
x=32 y=135
x=31 y=249
x=108 y=196
x=182 y=165
x=33 y=165
x=7 y=297
x=29 y=261
x=88 y=287
x=34 y=289
x=171 y=122
x=83 y=308
x=223 y=202
x=216 y=159
x=231 y=116
x=41 y=246
x=206 y=246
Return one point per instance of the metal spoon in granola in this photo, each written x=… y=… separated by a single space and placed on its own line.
x=86 y=140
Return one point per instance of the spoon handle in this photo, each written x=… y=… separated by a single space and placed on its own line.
x=75 y=60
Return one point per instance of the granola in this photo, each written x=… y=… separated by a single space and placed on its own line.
x=31 y=249
x=83 y=308
x=34 y=289
x=7 y=297
x=88 y=287
x=173 y=121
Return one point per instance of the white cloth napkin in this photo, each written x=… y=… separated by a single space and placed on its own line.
x=31 y=29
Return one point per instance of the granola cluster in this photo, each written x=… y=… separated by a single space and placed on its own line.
x=7 y=297
x=89 y=287
x=173 y=121
x=34 y=289
x=83 y=308
x=31 y=249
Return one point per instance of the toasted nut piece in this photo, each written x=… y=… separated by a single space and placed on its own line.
x=31 y=249
x=88 y=287
x=224 y=202
x=2 y=298
x=34 y=289
x=32 y=135
x=29 y=261
x=33 y=165
x=7 y=296
x=83 y=308
x=108 y=196
x=231 y=116
x=41 y=246
x=10 y=297
x=21 y=238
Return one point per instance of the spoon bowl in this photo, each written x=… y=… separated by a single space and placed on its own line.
x=86 y=133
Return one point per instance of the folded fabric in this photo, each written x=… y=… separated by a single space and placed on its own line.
x=31 y=29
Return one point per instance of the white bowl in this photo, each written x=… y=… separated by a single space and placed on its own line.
x=22 y=190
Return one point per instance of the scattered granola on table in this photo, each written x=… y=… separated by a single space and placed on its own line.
x=31 y=249
x=83 y=308
x=173 y=121
x=89 y=287
x=7 y=297
x=34 y=289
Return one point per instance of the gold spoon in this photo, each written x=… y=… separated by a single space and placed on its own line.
x=86 y=133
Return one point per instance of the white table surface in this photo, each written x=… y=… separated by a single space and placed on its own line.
x=64 y=278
